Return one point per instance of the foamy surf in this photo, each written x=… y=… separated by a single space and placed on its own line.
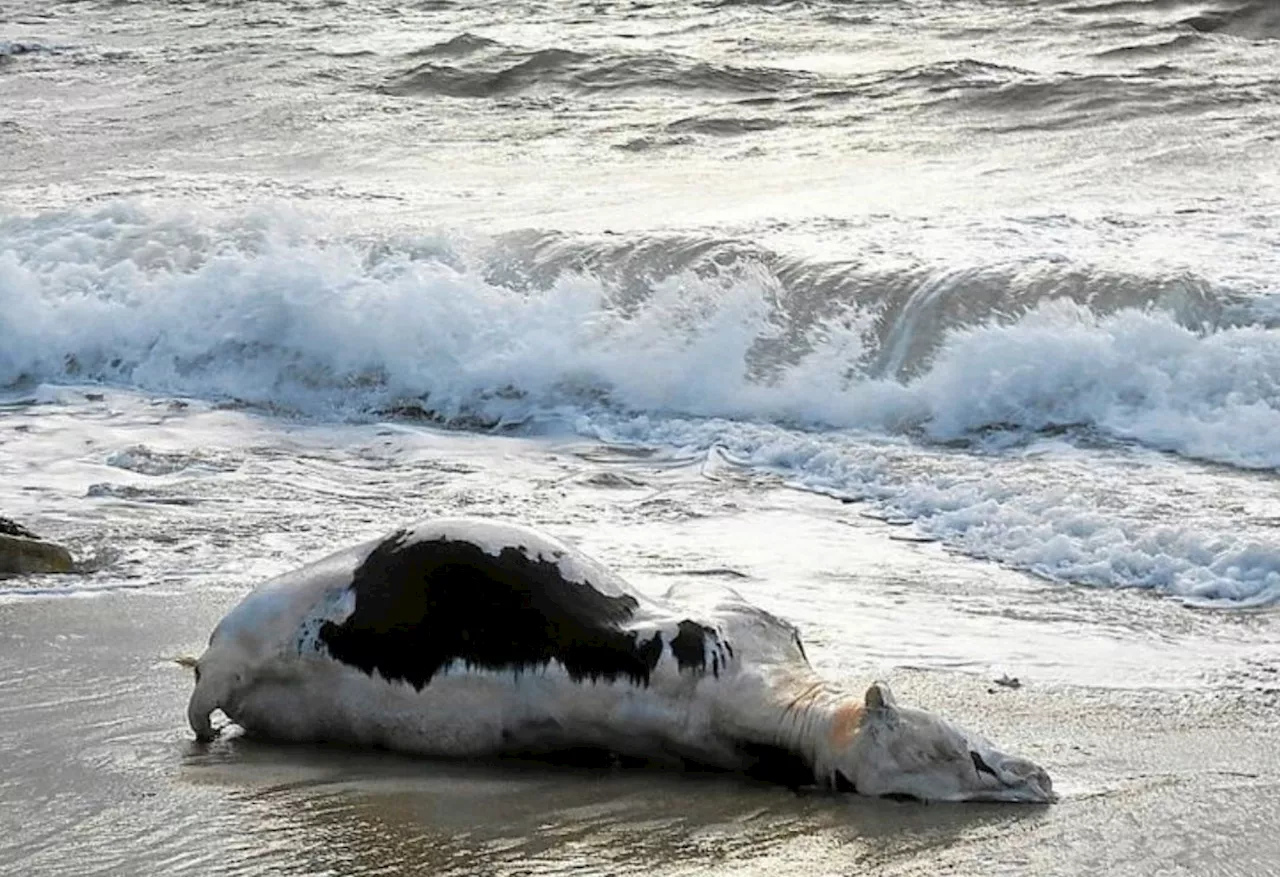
x=284 y=317
x=270 y=314
x=990 y=284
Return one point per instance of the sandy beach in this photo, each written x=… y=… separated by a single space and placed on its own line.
x=946 y=330
x=102 y=776
x=1156 y=720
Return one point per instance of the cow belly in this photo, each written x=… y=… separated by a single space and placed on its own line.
x=472 y=712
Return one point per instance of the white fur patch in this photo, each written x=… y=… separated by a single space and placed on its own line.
x=337 y=606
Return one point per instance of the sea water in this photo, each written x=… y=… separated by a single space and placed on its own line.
x=947 y=330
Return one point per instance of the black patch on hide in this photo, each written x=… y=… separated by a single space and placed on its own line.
x=981 y=766
x=795 y=634
x=421 y=605
x=689 y=647
x=695 y=644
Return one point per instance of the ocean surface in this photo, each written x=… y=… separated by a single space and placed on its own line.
x=949 y=330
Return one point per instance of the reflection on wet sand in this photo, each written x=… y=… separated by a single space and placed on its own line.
x=369 y=813
x=99 y=775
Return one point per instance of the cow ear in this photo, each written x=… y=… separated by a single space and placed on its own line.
x=879 y=697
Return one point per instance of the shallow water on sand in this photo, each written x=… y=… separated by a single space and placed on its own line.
x=1155 y=720
x=103 y=778
x=947 y=330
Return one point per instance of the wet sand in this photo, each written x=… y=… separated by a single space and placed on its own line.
x=102 y=776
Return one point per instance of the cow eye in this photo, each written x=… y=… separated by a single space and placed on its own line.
x=981 y=766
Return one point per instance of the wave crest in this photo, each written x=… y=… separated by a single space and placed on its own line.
x=271 y=314
x=473 y=67
x=1255 y=20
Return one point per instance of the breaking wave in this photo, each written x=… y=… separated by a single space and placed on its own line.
x=274 y=316
x=271 y=313
x=469 y=66
x=1254 y=20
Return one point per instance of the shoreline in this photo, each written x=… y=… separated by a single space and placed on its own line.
x=1153 y=780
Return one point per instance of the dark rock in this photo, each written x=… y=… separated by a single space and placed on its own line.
x=10 y=527
x=24 y=553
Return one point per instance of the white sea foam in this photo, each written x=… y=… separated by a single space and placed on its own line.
x=274 y=313
x=1071 y=520
x=1132 y=375
x=271 y=314
x=263 y=316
